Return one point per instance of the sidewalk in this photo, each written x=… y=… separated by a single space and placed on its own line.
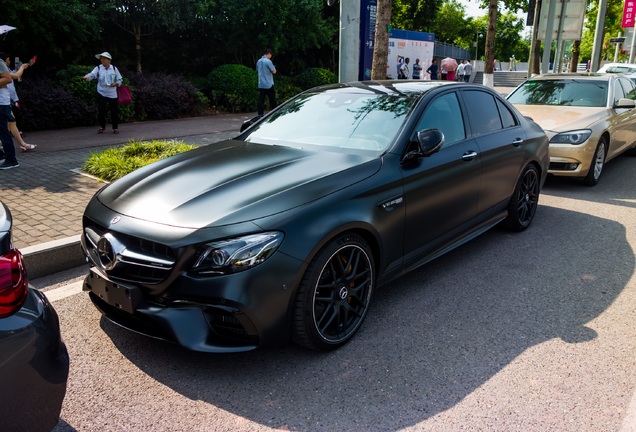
x=47 y=195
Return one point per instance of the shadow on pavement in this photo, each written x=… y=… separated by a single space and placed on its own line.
x=430 y=339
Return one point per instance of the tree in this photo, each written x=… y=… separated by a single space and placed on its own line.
x=56 y=30
x=416 y=15
x=381 y=43
x=451 y=24
x=144 y=17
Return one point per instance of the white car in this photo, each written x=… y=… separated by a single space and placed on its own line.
x=628 y=69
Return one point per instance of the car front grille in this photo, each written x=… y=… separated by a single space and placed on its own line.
x=126 y=258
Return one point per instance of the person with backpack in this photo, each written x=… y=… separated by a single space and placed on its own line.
x=108 y=78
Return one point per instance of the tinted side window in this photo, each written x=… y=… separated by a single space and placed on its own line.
x=444 y=114
x=618 y=91
x=507 y=118
x=484 y=115
x=629 y=88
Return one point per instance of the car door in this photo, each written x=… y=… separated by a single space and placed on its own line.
x=500 y=138
x=440 y=190
x=622 y=120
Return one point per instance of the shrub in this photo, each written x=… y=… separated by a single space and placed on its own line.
x=314 y=77
x=159 y=96
x=114 y=163
x=47 y=105
x=234 y=87
x=285 y=88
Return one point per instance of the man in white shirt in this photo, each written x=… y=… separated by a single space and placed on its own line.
x=460 y=71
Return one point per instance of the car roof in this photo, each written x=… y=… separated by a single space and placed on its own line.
x=609 y=65
x=580 y=75
x=390 y=87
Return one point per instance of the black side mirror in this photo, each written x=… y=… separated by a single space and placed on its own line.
x=428 y=142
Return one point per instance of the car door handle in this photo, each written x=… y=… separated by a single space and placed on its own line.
x=469 y=155
x=517 y=142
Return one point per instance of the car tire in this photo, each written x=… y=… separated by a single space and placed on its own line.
x=598 y=162
x=334 y=294
x=524 y=201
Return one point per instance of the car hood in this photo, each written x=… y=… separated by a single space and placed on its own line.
x=563 y=118
x=232 y=182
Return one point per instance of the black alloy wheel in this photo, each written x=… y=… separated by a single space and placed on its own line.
x=524 y=201
x=334 y=295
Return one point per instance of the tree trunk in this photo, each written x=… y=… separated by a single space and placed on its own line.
x=381 y=43
x=489 y=62
x=576 y=51
x=137 y=33
x=536 y=59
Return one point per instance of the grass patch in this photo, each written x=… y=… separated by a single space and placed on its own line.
x=114 y=163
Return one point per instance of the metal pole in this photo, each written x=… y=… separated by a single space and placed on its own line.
x=547 y=43
x=559 y=45
x=598 y=35
x=618 y=44
x=633 y=47
x=349 y=52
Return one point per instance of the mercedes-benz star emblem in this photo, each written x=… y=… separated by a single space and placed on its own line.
x=108 y=251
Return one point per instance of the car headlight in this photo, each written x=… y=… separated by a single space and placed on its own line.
x=572 y=137
x=237 y=254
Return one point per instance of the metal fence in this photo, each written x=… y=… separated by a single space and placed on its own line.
x=443 y=50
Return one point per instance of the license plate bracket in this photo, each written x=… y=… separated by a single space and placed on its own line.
x=121 y=296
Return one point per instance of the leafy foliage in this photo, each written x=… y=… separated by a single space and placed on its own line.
x=114 y=163
x=234 y=87
x=47 y=105
x=160 y=96
x=314 y=77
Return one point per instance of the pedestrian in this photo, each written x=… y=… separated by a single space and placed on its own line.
x=400 y=62
x=460 y=71
x=444 y=73
x=513 y=63
x=14 y=100
x=417 y=70
x=404 y=70
x=468 y=70
x=450 y=73
x=8 y=151
x=108 y=77
x=433 y=69
x=266 y=71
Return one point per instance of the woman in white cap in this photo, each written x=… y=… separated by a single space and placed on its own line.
x=108 y=78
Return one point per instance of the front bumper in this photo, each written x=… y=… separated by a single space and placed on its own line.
x=571 y=160
x=232 y=313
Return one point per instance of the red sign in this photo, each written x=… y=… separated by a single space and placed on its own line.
x=628 y=13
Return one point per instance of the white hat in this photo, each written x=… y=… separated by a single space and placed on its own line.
x=104 y=54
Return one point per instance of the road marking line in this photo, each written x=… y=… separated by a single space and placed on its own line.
x=64 y=291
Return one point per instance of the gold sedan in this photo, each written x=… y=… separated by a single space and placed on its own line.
x=589 y=119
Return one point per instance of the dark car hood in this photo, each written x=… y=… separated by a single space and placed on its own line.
x=232 y=182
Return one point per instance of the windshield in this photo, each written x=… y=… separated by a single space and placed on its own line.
x=590 y=93
x=347 y=119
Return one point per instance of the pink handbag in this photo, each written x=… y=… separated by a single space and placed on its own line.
x=123 y=95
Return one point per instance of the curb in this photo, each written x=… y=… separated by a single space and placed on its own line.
x=53 y=257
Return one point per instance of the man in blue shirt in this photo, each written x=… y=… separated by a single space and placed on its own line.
x=266 y=71
x=433 y=70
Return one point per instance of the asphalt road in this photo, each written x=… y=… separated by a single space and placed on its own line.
x=533 y=331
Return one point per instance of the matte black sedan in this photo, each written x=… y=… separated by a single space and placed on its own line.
x=33 y=359
x=287 y=229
